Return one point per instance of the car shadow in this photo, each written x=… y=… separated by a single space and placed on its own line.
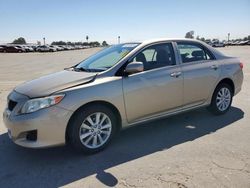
x=60 y=166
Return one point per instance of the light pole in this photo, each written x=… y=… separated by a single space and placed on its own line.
x=119 y=39
x=43 y=40
x=228 y=37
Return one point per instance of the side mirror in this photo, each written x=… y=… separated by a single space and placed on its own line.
x=134 y=67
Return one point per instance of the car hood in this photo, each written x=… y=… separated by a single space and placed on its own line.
x=51 y=83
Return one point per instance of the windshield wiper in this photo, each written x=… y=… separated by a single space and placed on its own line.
x=79 y=69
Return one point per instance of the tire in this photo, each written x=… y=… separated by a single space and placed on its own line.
x=217 y=106
x=77 y=129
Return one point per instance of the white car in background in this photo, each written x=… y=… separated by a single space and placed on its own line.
x=45 y=48
x=28 y=48
x=58 y=48
x=218 y=44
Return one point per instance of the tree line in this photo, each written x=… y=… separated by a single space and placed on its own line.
x=22 y=40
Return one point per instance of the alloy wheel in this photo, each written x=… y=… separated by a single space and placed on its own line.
x=95 y=130
x=223 y=99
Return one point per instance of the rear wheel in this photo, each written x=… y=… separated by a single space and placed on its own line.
x=92 y=128
x=222 y=99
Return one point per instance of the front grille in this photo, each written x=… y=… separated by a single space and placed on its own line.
x=11 y=105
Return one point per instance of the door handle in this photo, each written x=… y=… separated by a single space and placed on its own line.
x=175 y=74
x=215 y=67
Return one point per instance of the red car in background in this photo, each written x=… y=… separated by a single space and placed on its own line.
x=11 y=49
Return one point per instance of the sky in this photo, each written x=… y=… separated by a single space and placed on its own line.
x=132 y=20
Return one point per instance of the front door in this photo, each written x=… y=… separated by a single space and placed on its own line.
x=159 y=88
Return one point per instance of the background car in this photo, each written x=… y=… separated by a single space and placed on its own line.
x=66 y=47
x=2 y=48
x=26 y=48
x=58 y=48
x=45 y=48
x=218 y=44
x=11 y=49
x=29 y=49
x=63 y=47
x=71 y=47
x=34 y=47
x=235 y=43
x=244 y=42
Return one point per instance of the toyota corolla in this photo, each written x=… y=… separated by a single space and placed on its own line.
x=123 y=85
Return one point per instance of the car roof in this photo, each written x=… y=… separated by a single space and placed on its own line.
x=216 y=53
x=168 y=40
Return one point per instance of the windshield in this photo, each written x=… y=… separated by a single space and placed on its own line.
x=106 y=58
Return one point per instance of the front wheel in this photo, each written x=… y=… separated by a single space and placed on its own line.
x=92 y=128
x=222 y=99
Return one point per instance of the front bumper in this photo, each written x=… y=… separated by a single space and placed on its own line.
x=49 y=124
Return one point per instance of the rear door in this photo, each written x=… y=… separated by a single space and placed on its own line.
x=200 y=71
x=159 y=88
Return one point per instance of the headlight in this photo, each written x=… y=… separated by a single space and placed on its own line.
x=40 y=103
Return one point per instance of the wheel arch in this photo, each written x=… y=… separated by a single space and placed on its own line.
x=212 y=105
x=228 y=81
x=99 y=102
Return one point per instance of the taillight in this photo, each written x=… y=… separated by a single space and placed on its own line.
x=241 y=65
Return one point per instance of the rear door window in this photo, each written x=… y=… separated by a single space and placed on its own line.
x=191 y=52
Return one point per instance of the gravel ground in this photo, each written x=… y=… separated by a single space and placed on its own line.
x=194 y=149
